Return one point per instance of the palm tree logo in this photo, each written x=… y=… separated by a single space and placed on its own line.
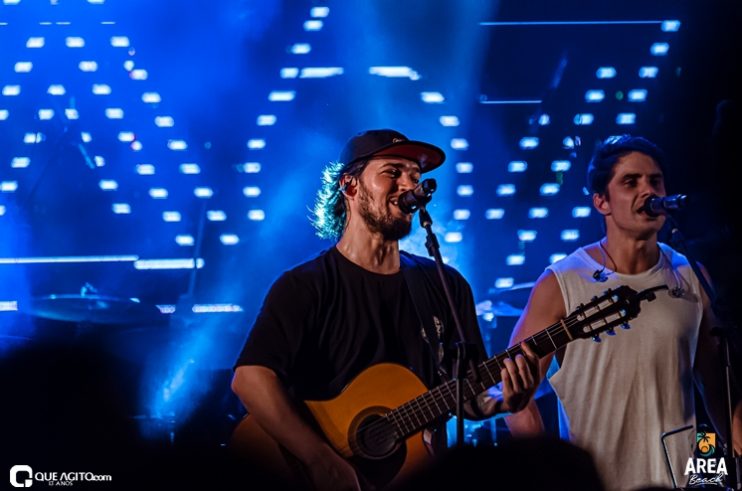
x=706 y=443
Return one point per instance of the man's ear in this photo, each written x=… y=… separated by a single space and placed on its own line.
x=600 y=202
x=349 y=185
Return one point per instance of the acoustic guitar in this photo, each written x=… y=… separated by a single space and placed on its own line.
x=377 y=421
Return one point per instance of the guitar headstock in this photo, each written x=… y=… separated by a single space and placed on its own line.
x=616 y=307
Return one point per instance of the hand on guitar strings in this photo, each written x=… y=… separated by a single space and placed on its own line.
x=519 y=383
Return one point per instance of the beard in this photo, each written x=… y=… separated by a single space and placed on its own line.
x=381 y=221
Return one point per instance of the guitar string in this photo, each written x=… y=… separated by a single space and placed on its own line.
x=379 y=428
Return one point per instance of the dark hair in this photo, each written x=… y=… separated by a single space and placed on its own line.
x=330 y=212
x=607 y=153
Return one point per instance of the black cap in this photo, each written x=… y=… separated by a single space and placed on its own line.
x=382 y=143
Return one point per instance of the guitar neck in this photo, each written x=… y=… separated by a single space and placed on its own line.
x=418 y=413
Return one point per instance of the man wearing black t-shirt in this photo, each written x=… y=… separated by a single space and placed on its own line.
x=327 y=320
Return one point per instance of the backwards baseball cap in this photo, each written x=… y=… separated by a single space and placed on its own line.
x=390 y=143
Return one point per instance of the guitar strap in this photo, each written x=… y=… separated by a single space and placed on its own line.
x=418 y=284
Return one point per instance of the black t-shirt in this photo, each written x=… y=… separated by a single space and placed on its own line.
x=326 y=320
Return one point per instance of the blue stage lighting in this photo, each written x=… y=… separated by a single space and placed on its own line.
x=517 y=166
x=569 y=143
x=319 y=12
x=290 y=72
x=544 y=120
x=529 y=142
x=203 y=192
x=659 y=49
x=67 y=259
x=464 y=167
x=11 y=90
x=494 y=213
x=449 y=120
x=453 y=237
x=256 y=215
x=281 y=95
x=515 y=260
x=216 y=215
x=99 y=161
x=504 y=282
x=229 y=239
x=114 y=113
x=266 y=120
x=583 y=119
x=171 y=216
x=31 y=138
x=20 y=162
x=101 y=89
x=432 y=97
x=215 y=308
x=4 y=113
x=549 y=189
x=8 y=186
x=648 y=72
x=74 y=42
x=108 y=185
x=35 y=42
x=461 y=214
x=561 y=165
x=321 y=71
x=126 y=136
x=570 y=235
x=2 y=210
x=459 y=143
x=637 y=95
x=626 y=118
x=138 y=74
x=671 y=25
x=85 y=137
x=505 y=190
x=465 y=190
x=538 y=212
x=136 y=145
x=594 y=95
x=184 y=240
x=71 y=114
x=119 y=41
x=121 y=208
x=394 y=72
x=190 y=168
x=158 y=193
x=56 y=89
x=301 y=48
x=313 y=25
x=164 y=121
x=8 y=306
x=256 y=144
x=526 y=235
x=249 y=167
x=251 y=191
x=151 y=98
x=177 y=145
x=88 y=66
x=581 y=211
x=168 y=263
x=605 y=72
x=23 y=67
x=145 y=169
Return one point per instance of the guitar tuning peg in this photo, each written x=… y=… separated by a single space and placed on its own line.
x=611 y=332
x=625 y=325
x=596 y=338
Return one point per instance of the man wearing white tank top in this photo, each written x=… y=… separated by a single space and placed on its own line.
x=617 y=397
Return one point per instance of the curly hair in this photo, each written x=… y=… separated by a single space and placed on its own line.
x=330 y=212
x=600 y=169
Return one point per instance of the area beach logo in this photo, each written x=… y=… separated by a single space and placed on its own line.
x=704 y=469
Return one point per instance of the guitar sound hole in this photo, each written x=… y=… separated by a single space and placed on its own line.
x=376 y=437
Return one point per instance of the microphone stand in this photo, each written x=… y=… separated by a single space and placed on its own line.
x=463 y=349
x=724 y=332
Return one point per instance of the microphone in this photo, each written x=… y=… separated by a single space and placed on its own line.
x=661 y=205
x=411 y=200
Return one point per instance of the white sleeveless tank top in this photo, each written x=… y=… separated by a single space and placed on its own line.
x=617 y=397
